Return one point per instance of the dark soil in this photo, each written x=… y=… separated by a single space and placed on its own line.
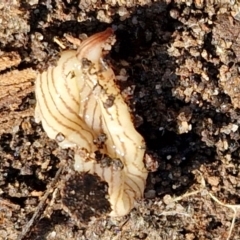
x=183 y=88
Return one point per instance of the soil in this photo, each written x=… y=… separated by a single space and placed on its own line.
x=181 y=58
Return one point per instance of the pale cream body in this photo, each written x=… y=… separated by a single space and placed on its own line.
x=71 y=101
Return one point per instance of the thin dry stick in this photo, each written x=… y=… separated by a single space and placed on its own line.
x=235 y=208
x=186 y=195
x=40 y=206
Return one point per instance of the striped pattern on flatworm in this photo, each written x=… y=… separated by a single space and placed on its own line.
x=78 y=101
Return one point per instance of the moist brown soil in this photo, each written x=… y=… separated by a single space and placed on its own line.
x=183 y=89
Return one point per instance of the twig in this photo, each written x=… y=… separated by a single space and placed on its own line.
x=235 y=208
x=40 y=206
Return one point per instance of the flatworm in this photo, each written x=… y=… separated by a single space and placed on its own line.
x=80 y=105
